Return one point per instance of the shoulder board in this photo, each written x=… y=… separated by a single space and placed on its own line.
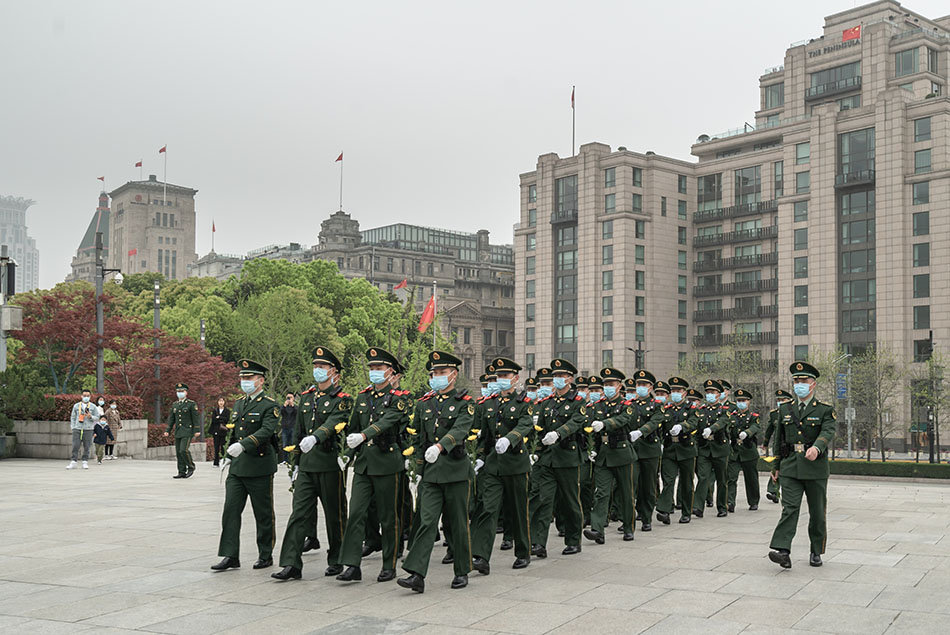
x=309 y=390
x=627 y=402
x=578 y=398
x=333 y=391
x=426 y=397
x=342 y=394
x=755 y=414
x=466 y=398
x=482 y=400
x=463 y=394
x=367 y=389
x=526 y=399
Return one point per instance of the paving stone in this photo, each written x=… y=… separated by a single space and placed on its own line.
x=839 y=618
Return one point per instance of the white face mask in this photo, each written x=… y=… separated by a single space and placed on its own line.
x=113 y=406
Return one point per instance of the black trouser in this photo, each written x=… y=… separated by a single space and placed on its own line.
x=109 y=449
x=219 y=440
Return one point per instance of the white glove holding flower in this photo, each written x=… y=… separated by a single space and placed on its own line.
x=342 y=461
x=479 y=464
x=293 y=477
x=502 y=445
x=550 y=438
x=235 y=449
x=432 y=454
x=533 y=458
x=707 y=433
x=636 y=434
x=675 y=430
x=353 y=440
x=308 y=443
x=743 y=435
x=597 y=426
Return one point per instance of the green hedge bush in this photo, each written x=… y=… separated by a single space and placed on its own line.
x=900 y=469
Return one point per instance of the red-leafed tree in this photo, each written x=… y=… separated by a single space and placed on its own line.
x=129 y=342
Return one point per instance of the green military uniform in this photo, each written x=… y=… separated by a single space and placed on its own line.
x=679 y=453
x=801 y=426
x=594 y=385
x=503 y=478
x=713 y=458
x=772 y=489
x=745 y=453
x=377 y=466
x=318 y=473
x=443 y=422
x=256 y=419
x=649 y=450
x=614 y=460
x=183 y=420
x=556 y=473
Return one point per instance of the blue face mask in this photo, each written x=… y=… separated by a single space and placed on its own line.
x=595 y=397
x=248 y=385
x=438 y=382
x=180 y=395
x=504 y=383
x=492 y=387
x=610 y=391
x=377 y=376
x=676 y=397
x=630 y=396
x=801 y=390
x=560 y=383
x=321 y=375
x=85 y=399
x=582 y=394
x=642 y=391
x=742 y=405
x=545 y=392
x=532 y=394
x=711 y=397
x=485 y=391
x=661 y=398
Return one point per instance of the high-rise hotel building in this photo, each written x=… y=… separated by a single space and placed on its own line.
x=826 y=223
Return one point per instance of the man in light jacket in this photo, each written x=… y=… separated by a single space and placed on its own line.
x=83 y=419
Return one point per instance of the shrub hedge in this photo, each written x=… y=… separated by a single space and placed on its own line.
x=901 y=469
x=157 y=438
x=62 y=407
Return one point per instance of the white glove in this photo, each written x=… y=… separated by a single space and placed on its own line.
x=742 y=435
x=597 y=426
x=479 y=464
x=235 y=449
x=293 y=477
x=416 y=479
x=636 y=434
x=342 y=461
x=405 y=464
x=502 y=445
x=226 y=462
x=432 y=454
x=707 y=433
x=307 y=443
x=533 y=458
x=534 y=419
x=675 y=430
x=550 y=438
x=593 y=455
x=353 y=440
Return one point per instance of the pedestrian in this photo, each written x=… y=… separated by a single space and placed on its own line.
x=183 y=421
x=82 y=422
x=115 y=424
x=253 y=455
x=804 y=432
x=101 y=434
x=220 y=417
x=288 y=419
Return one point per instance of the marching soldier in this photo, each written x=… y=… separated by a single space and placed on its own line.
x=644 y=434
x=183 y=420
x=530 y=394
x=318 y=474
x=374 y=436
x=253 y=452
x=679 y=453
x=443 y=421
x=745 y=452
x=556 y=474
x=713 y=459
x=581 y=384
x=782 y=397
x=805 y=430
x=614 y=458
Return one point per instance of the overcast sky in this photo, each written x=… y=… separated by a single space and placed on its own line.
x=438 y=106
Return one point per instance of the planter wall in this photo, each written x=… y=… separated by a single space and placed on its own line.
x=53 y=439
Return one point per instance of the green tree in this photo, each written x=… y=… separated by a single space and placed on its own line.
x=877 y=381
x=22 y=393
x=930 y=393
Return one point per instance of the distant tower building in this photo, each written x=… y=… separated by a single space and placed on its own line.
x=84 y=262
x=20 y=246
x=153 y=228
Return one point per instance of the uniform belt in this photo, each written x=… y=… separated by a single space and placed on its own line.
x=675 y=439
x=799 y=447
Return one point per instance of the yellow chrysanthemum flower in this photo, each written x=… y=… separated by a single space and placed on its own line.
x=588 y=430
x=538 y=428
x=472 y=437
x=526 y=439
x=476 y=431
x=769 y=459
x=340 y=426
x=408 y=451
x=229 y=426
x=411 y=430
x=290 y=448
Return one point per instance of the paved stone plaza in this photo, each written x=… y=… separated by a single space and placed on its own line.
x=123 y=547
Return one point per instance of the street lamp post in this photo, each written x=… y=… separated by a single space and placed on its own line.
x=101 y=272
x=639 y=354
x=157 y=323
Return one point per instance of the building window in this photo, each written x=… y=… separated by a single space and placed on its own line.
x=922 y=285
x=662 y=206
x=857 y=203
x=606 y=280
x=606 y=358
x=567 y=260
x=529 y=288
x=639 y=305
x=639 y=254
x=802 y=182
x=802 y=153
x=921 y=223
x=486 y=338
x=861 y=261
x=858 y=291
x=607 y=305
x=639 y=330
x=566 y=191
x=709 y=192
x=922 y=317
x=801 y=238
x=606 y=254
x=681 y=183
x=922 y=129
x=856 y=232
x=638 y=202
x=467 y=335
x=922 y=351
x=607 y=230
x=681 y=259
x=936 y=88
x=801 y=324
x=531 y=242
x=606 y=331
x=681 y=285
x=567 y=236
x=567 y=334
x=532 y=218
x=921 y=192
x=637 y=177
x=857 y=321
x=849 y=103
x=748 y=185
x=801 y=295
x=778 y=176
x=610 y=203
x=610 y=177
x=922 y=255
x=681 y=333
x=165 y=219
x=681 y=309
x=566 y=285
x=905 y=62
x=528 y=265
x=932 y=57
x=774 y=95
x=801 y=352
x=681 y=235
x=532 y=193
x=529 y=336
x=640 y=230
x=529 y=312
x=801 y=211
x=681 y=209
x=502 y=338
x=640 y=280
x=922 y=161
x=801 y=267
x=566 y=310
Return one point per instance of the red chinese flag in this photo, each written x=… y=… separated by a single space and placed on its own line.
x=851 y=34
x=101 y=178
x=132 y=252
x=339 y=158
x=427 y=316
x=212 y=226
x=401 y=285
x=138 y=164
x=572 y=97
x=162 y=149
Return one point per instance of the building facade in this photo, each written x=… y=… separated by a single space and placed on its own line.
x=20 y=246
x=83 y=265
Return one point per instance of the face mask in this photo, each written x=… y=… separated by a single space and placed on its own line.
x=711 y=398
x=320 y=375
x=485 y=391
x=102 y=402
x=248 y=385
x=801 y=390
x=630 y=396
x=113 y=406
x=545 y=391
x=642 y=391
x=180 y=395
x=610 y=391
x=493 y=387
x=596 y=396
x=582 y=394
x=504 y=384
x=532 y=394
x=742 y=405
x=103 y=423
x=560 y=383
x=438 y=382
x=85 y=399
x=676 y=397
x=377 y=376
x=661 y=398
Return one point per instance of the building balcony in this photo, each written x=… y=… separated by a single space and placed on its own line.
x=751 y=286
x=743 y=235
x=822 y=91
x=718 y=315
x=736 y=339
x=746 y=209
x=564 y=216
x=734 y=263
x=854 y=179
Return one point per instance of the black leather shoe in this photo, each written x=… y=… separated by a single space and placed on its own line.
x=620 y=529
x=386 y=575
x=698 y=513
x=506 y=545
x=190 y=471
x=179 y=476
x=753 y=508
x=663 y=517
x=772 y=497
x=352 y=574
x=646 y=527
x=415 y=582
x=449 y=558
x=263 y=564
x=538 y=551
x=709 y=504
x=560 y=533
x=481 y=565
x=227 y=563
x=678 y=506
x=287 y=573
x=814 y=560
x=570 y=550
x=684 y=520
x=310 y=544
x=638 y=517
x=722 y=513
x=781 y=558
x=499 y=530
x=731 y=509
x=333 y=569
x=627 y=536
x=368 y=549
x=521 y=563
x=596 y=536
x=460 y=582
